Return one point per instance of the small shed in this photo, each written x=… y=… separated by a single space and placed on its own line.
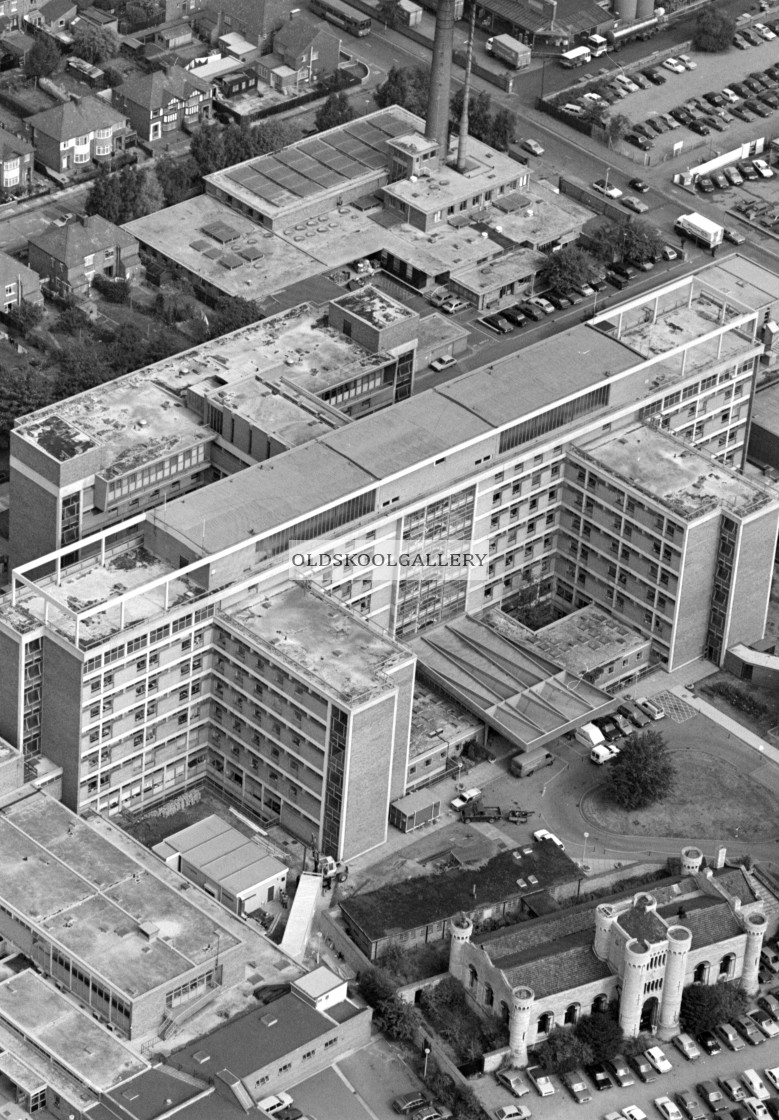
x=414 y=810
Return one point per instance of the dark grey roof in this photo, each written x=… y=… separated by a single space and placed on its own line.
x=558 y=968
x=708 y=919
x=734 y=881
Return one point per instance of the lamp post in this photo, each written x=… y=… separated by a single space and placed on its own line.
x=584 y=852
x=427 y=1055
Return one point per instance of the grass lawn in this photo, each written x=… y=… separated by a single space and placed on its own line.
x=152 y=830
x=758 y=724
x=713 y=798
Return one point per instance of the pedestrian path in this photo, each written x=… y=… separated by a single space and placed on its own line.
x=733 y=726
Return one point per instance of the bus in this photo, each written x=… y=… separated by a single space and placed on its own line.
x=342 y=16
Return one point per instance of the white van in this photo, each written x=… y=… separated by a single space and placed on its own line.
x=755 y=1085
x=599 y=755
x=649 y=708
x=589 y=735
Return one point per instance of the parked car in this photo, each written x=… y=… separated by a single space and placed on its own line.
x=712 y=122
x=747 y=170
x=657 y=1057
x=770 y=1004
x=542 y=834
x=667 y=1109
x=533 y=147
x=543 y=304
x=748 y=1030
x=668 y=253
x=649 y=708
x=690 y=1105
x=732 y=1088
x=617 y=281
x=275 y=1103
x=639 y=185
x=719 y=180
x=465 y=798
x=558 y=302
x=657 y=125
x=640 y=142
x=687 y=62
x=730 y=96
x=618 y=1068
x=655 y=77
x=711 y=1096
x=602 y=186
x=751 y=37
x=643 y=130
x=772 y=1075
x=573 y=297
x=623 y=270
x=541 y=1081
x=512 y=1112
x=754 y=1085
x=531 y=311
x=757 y=108
x=681 y=115
x=669 y=120
x=627 y=83
x=698 y=127
x=729 y=1036
x=762 y=168
x=643 y=1068
x=439 y=364
x=577 y=1086
x=740 y=42
x=715 y=99
x=498 y=324
x=764 y=1023
x=634 y=204
x=674 y=66
x=709 y=1044
x=636 y=716
x=733 y=176
x=584 y=290
x=429 y=1112
x=512 y=1080
x=609 y=727
x=764 y=32
x=742 y=113
x=599 y=1076
x=439 y=297
x=686 y=1046
x=756 y=1110
x=453 y=305
x=705 y=184
x=514 y=316
x=633 y=1112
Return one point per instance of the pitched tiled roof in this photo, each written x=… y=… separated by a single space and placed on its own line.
x=56 y=9
x=297 y=35
x=643 y=924
x=11 y=146
x=155 y=91
x=63 y=122
x=708 y=919
x=578 y=15
x=736 y=884
x=558 y=968
x=72 y=242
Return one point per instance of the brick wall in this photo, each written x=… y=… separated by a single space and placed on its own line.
x=752 y=579
x=364 y=824
x=694 y=593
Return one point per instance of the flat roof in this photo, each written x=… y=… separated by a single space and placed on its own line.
x=280 y=413
x=225 y=855
x=250 y=1042
x=93 y=897
x=518 y=265
x=440 y=187
x=154 y=1092
x=318 y=982
x=374 y=307
x=744 y=280
x=322 y=639
x=132 y=420
x=437 y=721
x=52 y=1021
x=243 y=260
x=542 y=215
x=675 y=475
x=581 y=642
x=338 y=159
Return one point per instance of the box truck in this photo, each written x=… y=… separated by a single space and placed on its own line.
x=699 y=229
x=577 y=57
x=509 y=50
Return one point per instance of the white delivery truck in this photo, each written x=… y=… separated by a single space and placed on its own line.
x=589 y=735
x=699 y=229
x=576 y=57
x=509 y=50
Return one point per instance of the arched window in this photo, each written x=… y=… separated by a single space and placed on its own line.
x=572 y=1014
x=701 y=973
x=473 y=976
x=489 y=995
x=504 y=1010
x=545 y=1023
x=727 y=964
x=600 y=1003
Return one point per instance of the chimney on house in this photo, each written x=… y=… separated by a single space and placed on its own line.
x=437 y=124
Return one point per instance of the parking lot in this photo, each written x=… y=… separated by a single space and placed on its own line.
x=713 y=72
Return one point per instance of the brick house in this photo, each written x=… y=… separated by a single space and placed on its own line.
x=16 y=161
x=17 y=283
x=163 y=101
x=55 y=16
x=68 y=257
x=254 y=20
x=72 y=135
x=308 y=48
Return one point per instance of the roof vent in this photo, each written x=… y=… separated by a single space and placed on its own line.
x=268 y=1020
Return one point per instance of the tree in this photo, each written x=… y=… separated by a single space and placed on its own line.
x=406 y=87
x=714 y=30
x=617 y=126
x=642 y=773
x=334 y=111
x=601 y=1033
x=24 y=317
x=562 y=1051
x=607 y=241
x=398 y=1019
x=207 y=148
x=568 y=267
x=43 y=59
x=387 y=11
x=232 y=313
x=121 y=198
x=502 y=130
x=21 y=391
x=176 y=177
x=641 y=242
x=93 y=43
x=706 y=1005
x=376 y=987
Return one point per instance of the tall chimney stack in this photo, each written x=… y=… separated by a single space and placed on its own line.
x=462 y=142
x=437 y=124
